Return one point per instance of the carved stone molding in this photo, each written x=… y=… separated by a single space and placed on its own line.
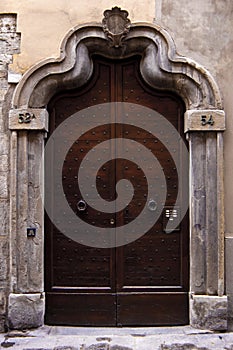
x=116 y=25
x=161 y=67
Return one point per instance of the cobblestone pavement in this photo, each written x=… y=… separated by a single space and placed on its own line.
x=79 y=338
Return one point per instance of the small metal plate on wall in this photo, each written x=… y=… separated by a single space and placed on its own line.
x=171 y=214
x=31 y=232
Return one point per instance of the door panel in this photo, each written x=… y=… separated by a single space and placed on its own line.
x=152 y=309
x=84 y=309
x=146 y=281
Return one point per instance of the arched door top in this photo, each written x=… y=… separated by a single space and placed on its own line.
x=161 y=66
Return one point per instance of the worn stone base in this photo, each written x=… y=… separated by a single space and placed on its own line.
x=26 y=310
x=208 y=312
x=2 y=323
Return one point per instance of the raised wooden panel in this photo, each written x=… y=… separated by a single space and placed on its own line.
x=152 y=309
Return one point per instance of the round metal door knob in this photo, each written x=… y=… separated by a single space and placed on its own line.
x=112 y=221
x=152 y=205
x=81 y=205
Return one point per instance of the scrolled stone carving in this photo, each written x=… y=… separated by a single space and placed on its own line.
x=161 y=67
x=116 y=25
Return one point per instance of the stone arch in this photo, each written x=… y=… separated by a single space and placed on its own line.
x=162 y=68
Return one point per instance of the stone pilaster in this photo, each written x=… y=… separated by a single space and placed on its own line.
x=9 y=45
x=208 y=304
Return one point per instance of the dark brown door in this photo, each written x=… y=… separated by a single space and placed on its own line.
x=146 y=281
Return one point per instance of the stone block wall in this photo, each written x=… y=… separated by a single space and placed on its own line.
x=9 y=45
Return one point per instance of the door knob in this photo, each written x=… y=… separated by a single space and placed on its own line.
x=152 y=205
x=81 y=205
x=112 y=221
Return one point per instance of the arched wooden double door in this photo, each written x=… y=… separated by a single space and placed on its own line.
x=146 y=281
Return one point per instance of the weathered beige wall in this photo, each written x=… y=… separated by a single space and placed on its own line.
x=43 y=23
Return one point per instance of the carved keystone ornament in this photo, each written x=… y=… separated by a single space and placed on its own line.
x=116 y=25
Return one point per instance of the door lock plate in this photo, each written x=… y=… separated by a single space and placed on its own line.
x=172 y=215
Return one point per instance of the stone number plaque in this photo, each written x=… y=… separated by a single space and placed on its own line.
x=204 y=120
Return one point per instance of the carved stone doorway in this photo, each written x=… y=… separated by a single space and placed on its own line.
x=162 y=69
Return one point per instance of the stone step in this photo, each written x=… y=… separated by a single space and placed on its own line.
x=80 y=338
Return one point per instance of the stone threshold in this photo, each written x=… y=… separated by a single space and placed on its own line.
x=125 y=338
x=118 y=331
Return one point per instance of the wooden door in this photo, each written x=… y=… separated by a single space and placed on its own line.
x=146 y=281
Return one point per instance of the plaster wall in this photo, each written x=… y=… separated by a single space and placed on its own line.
x=43 y=23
